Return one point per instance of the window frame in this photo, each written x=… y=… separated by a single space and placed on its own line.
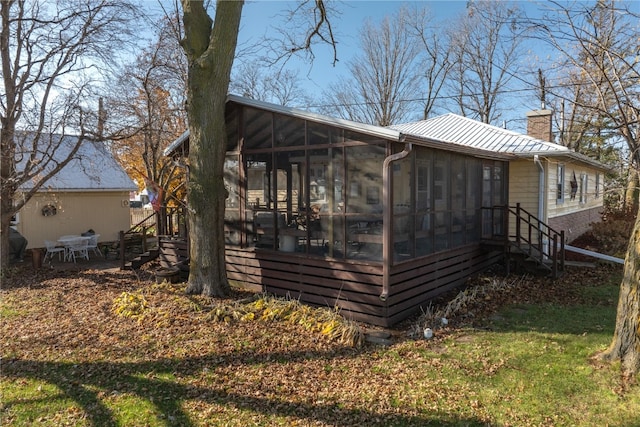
x=560 y=183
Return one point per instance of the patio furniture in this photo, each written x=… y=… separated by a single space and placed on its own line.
x=92 y=244
x=53 y=248
x=78 y=247
x=75 y=245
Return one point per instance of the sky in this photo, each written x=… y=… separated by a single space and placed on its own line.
x=264 y=17
x=260 y=16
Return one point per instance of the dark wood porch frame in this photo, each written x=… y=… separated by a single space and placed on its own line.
x=380 y=292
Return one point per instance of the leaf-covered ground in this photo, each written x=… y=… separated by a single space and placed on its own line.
x=69 y=358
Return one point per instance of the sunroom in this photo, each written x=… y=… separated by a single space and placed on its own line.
x=352 y=216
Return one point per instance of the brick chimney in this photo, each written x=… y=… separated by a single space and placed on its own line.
x=539 y=124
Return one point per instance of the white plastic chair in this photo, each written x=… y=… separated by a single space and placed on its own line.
x=92 y=244
x=77 y=247
x=52 y=248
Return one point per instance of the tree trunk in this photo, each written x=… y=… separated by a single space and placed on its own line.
x=631 y=193
x=210 y=51
x=625 y=345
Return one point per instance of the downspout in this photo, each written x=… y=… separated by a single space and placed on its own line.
x=387 y=214
x=541 y=194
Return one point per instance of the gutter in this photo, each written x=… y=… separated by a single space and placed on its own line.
x=387 y=215
x=541 y=194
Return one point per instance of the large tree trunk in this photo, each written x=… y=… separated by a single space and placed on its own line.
x=632 y=192
x=625 y=345
x=210 y=51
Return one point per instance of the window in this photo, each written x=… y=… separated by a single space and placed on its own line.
x=560 y=184
x=584 y=180
x=597 y=184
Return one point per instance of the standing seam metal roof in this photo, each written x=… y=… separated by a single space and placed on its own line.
x=462 y=130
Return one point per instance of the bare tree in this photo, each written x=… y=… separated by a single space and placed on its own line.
x=384 y=76
x=433 y=58
x=53 y=54
x=278 y=86
x=486 y=54
x=595 y=40
x=147 y=106
x=210 y=48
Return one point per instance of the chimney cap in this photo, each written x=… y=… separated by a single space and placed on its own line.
x=537 y=113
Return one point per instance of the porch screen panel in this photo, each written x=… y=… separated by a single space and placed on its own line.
x=288 y=131
x=474 y=201
x=318 y=134
x=292 y=236
x=316 y=180
x=232 y=224
x=261 y=215
x=403 y=231
x=258 y=128
x=363 y=206
x=498 y=198
x=458 y=200
x=424 y=201
x=232 y=119
x=441 y=201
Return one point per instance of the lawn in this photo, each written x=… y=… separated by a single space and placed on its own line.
x=111 y=348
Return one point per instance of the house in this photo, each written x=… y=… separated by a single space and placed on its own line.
x=562 y=188
x=370 y=220
x=90 y=192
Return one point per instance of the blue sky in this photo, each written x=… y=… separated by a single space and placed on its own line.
x=259 y=17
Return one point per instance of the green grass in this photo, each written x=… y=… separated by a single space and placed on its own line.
x=529 y=365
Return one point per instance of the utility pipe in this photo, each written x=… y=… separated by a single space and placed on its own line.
x=387 y=216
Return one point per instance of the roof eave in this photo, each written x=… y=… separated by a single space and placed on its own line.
x=570 y=155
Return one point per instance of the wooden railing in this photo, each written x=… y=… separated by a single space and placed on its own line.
x=532 y=236
x=165 y=222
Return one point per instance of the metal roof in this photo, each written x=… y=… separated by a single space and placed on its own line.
x=457 y=129
x=388 y=133
x=92 y=168
x=462 y=130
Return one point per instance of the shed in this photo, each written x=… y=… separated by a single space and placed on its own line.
x=366 y=219
x=561 y=187
x=90 y=192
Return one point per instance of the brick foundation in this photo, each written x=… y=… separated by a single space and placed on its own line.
x=577 y=223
